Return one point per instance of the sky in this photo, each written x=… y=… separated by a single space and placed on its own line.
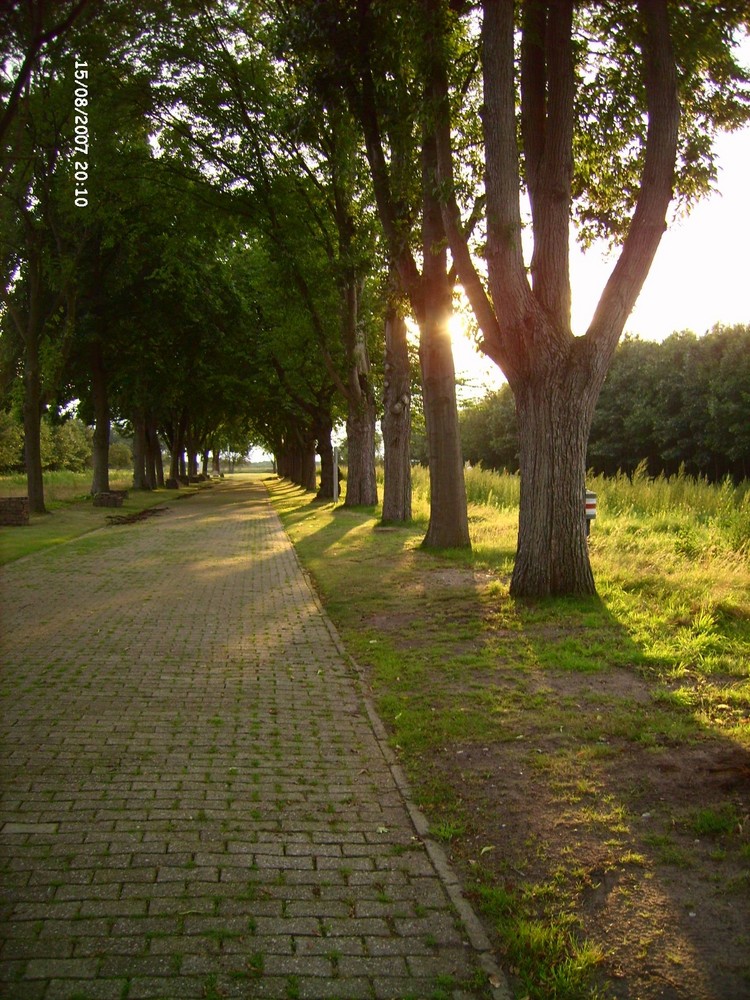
x=701 y=274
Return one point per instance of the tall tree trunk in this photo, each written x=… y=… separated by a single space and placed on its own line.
x=308 y=478
x=154 y=468
x=100 y=456
x=32 y=427
x=158 y=459
x=192 y=452
x=361 y=486
x=215 y=459
x=177 y=465
x=448 y=517
x=449 y=521
x=396 y=422
x=323 y=431
x=296 y=461
x=554 y=419
x=140 y=479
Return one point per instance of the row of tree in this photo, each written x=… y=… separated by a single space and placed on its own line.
x=682 y=403
x=65 y=445
x=214 y=220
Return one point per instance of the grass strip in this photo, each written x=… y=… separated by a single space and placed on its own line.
x=72 y=513
x=559 y=748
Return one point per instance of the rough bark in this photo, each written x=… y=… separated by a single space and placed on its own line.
x=32 y=425
x=140 y=479
x=555 y=376
x=396 y=422
x=191 y=445
x=361 y=487
x=100 y=456
x=177 y=447
x=554 y=418
x=295 y=460
x=158 y=458
x=308 y=476
x=323 y=432
x=361 y=484
x=449 y=522
x=153 y=460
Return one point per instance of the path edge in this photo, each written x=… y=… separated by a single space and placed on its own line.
x=472 y=925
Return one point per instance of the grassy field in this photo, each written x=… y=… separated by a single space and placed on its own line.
x=585 y=762
x=71 y=512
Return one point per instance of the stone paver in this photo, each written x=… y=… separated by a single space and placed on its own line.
x=194 y=800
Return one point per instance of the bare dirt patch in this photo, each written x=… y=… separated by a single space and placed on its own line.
x=589 y=805
x=668 y=906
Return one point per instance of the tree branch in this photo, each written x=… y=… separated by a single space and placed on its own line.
x=38 y=42
x=509 y=287
x=649 y=219
x=548 y=90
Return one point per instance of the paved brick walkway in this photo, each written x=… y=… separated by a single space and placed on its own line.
x=195 y=802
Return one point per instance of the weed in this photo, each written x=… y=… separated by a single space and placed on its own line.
x=292 y=988
x=715 y=822
x=220 y=934
x=459 y=669
x=447 y=830
x=210 y=988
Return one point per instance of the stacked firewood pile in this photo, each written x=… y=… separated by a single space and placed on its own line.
x=112 y=498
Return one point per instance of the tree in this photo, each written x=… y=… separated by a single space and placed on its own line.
x=601 y=136
x=370 y=52
x=681 y=404
x=294 y=170
x=40 y=248
x=628 y=411
x=730 y=400
x=11 y=442
x=28 y=32
x=396 y=421
x=489 y=431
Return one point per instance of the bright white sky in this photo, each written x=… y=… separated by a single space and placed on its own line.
x=701 y=274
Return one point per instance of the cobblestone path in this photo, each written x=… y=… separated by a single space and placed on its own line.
x=195 y=803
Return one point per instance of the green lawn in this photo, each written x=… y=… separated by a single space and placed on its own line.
x=537 y=734
x=71 y=512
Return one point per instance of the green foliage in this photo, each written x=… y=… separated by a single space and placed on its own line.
x=65 y=444
x=610 y=135
x=72 y=446
x=489 y=431
x=681 y=406
x=684 y=403
x=11 y=442
x=120 y=455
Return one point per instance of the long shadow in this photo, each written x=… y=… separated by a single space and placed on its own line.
x=343 y=520
x=637 y=807
x=638 y=802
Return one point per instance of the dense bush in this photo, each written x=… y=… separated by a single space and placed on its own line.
x=489 y=431
x=65 y=445
x=120 y=455
x=683 y=404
